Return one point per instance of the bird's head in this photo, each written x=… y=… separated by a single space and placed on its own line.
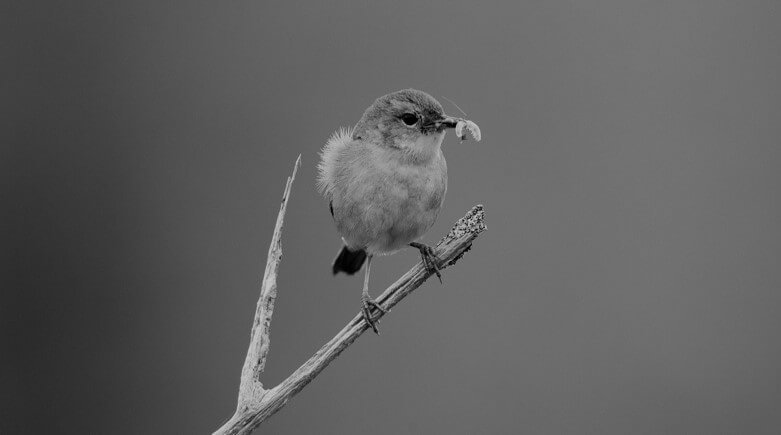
x=408 y=119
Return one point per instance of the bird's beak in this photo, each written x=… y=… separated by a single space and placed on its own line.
x=447 y=122
x=459 y=124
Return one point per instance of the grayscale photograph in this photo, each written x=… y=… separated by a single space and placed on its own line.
x=410 y=217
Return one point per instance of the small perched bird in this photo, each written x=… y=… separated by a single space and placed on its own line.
x=385 y=180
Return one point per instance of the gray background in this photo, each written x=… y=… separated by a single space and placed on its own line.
x=628 y=281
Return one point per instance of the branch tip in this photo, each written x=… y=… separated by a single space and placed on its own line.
x=472 y=223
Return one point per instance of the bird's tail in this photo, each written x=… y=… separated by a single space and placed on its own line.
x=348 y=261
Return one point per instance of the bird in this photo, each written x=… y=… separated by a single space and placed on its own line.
x=385 y=180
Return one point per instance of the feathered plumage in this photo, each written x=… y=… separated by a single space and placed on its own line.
x=326 y=169
x=385 y=180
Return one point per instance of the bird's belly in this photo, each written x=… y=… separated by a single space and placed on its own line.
x=385 y=211
x=410 y=223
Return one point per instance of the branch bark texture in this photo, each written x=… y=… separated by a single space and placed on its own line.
x=255 y=403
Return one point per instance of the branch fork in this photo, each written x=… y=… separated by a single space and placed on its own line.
x=256 y=403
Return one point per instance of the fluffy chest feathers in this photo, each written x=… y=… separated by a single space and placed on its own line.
x=383 y=197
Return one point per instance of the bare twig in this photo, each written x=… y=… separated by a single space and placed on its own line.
x=256 y=404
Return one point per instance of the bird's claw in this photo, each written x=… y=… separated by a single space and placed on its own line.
x=430 y=259
x=366 y=310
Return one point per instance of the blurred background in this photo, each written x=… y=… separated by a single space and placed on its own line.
x=630 y=171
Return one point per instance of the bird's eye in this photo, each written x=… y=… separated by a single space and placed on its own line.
x=409 y=119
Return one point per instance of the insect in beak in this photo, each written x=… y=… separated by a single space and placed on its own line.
x=459 y=124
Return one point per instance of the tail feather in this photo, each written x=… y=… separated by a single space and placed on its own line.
x=348 y=261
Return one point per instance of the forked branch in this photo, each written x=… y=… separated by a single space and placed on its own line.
x=255 y=403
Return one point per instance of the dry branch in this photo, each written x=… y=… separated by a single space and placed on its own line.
x=256 y=404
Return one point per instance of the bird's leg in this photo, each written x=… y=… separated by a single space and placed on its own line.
x=430 y=259
x=367 y=302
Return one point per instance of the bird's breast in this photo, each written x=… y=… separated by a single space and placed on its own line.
x=389 y=202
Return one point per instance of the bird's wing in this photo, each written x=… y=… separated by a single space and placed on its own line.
x=329 y=156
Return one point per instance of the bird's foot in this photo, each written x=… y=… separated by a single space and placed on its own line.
x=430 y=259
x=366 y=310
